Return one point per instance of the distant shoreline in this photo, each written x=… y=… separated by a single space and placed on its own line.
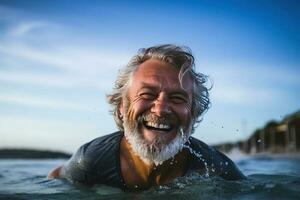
x=31 y=154
x=237 y=154
x=277 y=155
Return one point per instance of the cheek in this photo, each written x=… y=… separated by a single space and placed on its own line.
x=136 y=108
x=184 y=113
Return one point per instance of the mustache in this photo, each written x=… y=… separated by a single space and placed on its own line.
x=168 y=119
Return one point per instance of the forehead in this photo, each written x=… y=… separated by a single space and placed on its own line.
x=161 y=74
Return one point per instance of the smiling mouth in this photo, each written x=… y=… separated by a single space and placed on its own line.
x=162 y=127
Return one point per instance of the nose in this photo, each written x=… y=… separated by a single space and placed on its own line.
x=161 y=106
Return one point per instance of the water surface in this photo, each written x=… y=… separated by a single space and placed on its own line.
x=268 y=178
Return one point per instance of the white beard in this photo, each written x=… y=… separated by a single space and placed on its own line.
x=150 y=153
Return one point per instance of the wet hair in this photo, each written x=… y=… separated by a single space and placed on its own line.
x=180 y=57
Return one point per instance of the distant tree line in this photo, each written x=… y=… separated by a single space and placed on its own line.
x=31 y=154
x=274 y=137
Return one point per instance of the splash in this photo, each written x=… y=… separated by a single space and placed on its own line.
x=193 y=152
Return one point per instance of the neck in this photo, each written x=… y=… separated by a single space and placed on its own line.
x=137 y=173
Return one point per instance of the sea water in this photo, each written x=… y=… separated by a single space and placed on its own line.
x=267 y=178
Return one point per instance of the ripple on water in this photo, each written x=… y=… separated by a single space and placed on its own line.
x=192 y=187
x=259 y=185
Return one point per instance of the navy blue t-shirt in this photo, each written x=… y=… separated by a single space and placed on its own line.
x=98 y=162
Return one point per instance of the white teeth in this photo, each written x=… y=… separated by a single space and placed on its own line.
x=155 y=125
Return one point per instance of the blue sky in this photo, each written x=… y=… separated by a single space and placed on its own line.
x=59 y=59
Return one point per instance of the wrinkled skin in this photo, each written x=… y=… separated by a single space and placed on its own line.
x=155 y=94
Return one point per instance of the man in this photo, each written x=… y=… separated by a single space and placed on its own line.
x=157 y=102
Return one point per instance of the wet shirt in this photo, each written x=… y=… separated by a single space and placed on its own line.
x=98 y=162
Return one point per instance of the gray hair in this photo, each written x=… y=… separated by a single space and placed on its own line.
x=180 y=57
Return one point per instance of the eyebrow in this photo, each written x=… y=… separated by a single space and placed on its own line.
x=155 y=88
x=149 y=85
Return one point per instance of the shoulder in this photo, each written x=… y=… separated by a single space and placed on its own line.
x=93 y=156
x=213 y=161
x=99 y=145
x=88 y=153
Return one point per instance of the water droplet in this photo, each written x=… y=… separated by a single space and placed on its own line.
x=226 y=163
x=181 y=132
x=270 y=185
x=222 y=126
x=259 y=140
x=135 y=186
x=237 y=130
x=200 y=157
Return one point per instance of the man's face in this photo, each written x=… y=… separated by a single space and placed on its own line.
x=156 y=105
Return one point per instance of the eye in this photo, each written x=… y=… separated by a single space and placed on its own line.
x=177 y=99
x=148 y=95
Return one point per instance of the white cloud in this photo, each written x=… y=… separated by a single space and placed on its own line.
x=27 y=27
x=251 y=73
x=246 y=84
x=52 y=44
x=78 y=59
x=98 y=81
x=80 y=65
x=38 y=102
x=24 y=131
x=244 y=95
